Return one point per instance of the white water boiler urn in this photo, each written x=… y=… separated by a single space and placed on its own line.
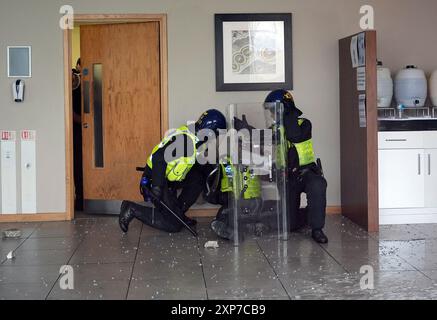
x=411 y=88
x=433 y=88
x=385 y=86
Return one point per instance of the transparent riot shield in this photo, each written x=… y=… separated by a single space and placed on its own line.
x=254 y=167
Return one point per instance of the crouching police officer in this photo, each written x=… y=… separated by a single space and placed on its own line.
x=305 y=175
x=169 y=170
x=250 y=201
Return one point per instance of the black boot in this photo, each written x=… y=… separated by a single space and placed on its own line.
x=190 y=222
x=319 y=236
x=126 y=216
x=222 y=229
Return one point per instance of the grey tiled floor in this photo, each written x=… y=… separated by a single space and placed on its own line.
x=147 y=264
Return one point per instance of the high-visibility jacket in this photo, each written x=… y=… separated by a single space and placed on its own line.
x=304 y=149
x=177 y=169
x=249 y=185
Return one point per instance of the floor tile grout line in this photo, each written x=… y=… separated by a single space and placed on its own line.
x=274 y=271
x=135 y=261
x=416 y=227
x=67 y=263
x=27 y=238
x=417 y=269
x=203 y=269
x=375 y=236
x=338 y=262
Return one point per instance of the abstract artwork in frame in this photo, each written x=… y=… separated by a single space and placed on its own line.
x=253 y=52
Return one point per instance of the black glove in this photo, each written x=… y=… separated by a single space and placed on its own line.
x=295 y=113
x=242 y=124
x=317 y=169
x=157 y=192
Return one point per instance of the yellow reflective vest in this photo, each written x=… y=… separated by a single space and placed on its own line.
x=249 y=186
x=304 y=149
x=177 y=169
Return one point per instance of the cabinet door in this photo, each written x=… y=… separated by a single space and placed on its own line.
x=401 y=178
x=431 y=178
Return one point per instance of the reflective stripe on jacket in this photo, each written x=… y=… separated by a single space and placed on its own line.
x=305 y=150
x=177 y=169
x=250 y=185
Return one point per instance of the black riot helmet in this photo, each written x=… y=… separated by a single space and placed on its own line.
x=285 y=97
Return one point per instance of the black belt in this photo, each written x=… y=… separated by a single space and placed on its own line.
x=304 y=171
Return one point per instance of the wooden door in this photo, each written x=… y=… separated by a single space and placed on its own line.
x=121 y=106
x=359 y=144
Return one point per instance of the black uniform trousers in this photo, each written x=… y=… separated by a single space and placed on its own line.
x=314 y=185
x=159 y=217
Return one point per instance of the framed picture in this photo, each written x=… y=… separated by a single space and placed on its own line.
x=19 y=61
x=253 y=52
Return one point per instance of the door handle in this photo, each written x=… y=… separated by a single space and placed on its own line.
x=85 y=125
x=396 y=140
x=419 y=158
x=429 y=164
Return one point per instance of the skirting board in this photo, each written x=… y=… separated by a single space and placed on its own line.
x=408 y=219
x=46 y=217
x=39 y=217
x=213 y=211
x=407 y=216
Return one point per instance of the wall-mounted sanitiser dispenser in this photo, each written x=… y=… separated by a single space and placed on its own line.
x=18 y=90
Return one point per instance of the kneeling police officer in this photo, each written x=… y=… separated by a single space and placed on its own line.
x=163 y=177
x=304 y=174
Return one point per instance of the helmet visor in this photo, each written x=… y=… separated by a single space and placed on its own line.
x=273 y=113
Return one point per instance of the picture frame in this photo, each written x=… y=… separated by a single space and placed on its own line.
x=19 y=61
x=253 y=51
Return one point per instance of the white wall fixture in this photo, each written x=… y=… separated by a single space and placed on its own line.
x=28 y=171
x=18 y=90
x=19 y=61
x=8 y=172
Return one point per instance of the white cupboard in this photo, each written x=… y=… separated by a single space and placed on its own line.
x=407 y=169
x=401 y=183
x=431 y=178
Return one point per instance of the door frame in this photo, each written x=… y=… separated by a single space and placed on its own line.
x=68 y=99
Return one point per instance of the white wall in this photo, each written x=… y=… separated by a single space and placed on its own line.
x=406 y=31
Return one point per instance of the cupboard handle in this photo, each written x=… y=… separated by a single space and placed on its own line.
x=429 y=164
x=419 y=163
x=396 y=140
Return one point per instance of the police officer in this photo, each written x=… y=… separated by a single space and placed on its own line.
x=305 y=175
x=168 y=170
x=250 y=190
x=77 y=136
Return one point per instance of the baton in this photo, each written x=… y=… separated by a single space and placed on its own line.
x=162 y=203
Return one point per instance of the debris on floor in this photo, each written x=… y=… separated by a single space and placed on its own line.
x=211 y=245
x=11 y=255
x=12 y=234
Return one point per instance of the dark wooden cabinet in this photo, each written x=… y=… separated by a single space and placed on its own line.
x=359 y=145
